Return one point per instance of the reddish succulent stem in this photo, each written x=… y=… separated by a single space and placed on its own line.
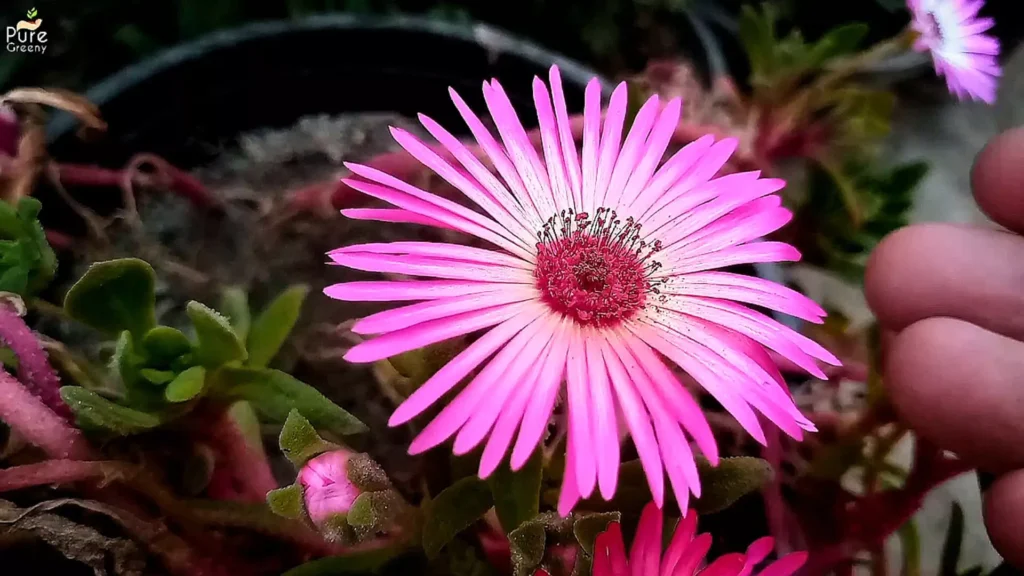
x=34 y=369
x=242 y=472
x=27 y=415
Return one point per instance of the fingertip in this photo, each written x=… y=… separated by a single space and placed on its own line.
x=997 y=179
x=1004 y=516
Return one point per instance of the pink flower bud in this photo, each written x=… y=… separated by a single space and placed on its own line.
x=326 y=486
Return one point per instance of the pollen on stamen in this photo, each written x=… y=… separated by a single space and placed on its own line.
x=595 y=269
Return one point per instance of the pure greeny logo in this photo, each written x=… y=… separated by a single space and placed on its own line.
x=26 y=35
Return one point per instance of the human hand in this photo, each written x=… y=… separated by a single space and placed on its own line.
x=953 y=298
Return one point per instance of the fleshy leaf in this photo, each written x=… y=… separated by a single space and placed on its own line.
x=270 y=330
x=587 y=527
x=234 y=305
x=114 y=296
x=726 y=483
x=286 y=502
x=364 y=473
x=454 y=509
x=517 y=494
x=94 y=411
x=527 y=544
x=375 y=513
x=159 y=377
x=218 y=343
x=126 y=362
x=299 y=441
x=273 y=394
x=186 y=385
x=163 y=344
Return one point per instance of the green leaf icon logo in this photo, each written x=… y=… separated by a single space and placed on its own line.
x=32 y=13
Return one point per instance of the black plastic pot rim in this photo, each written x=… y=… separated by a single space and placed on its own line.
x=489 y=37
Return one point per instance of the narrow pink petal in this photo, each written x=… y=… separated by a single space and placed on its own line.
x=670 y=173
x=396 y=215
x=613 y=121
x=413 y=314
x=392 y=291
x=756 y=553
x=431 y=266
x=610 y=551
x=734 y=256
x=485 y=417
x=639 y=424
x=519 y=148
x=509 y=419
x=654 y=150
x=560 y=191
x=692 y=556
x=682 y=353
x=459 y=367
x=606 y=425
x=580 y=427
x=731 y=199
x=498 y=158
x=675 y=450
x=751 y=222
x=632 y=150
x=472 y=164
x=682 y=203
x=728 y=565
x=785 y=566
x=570 y=493
x=682 y=540
x=431 y=332
x=675 y=397
x=749 y=289
x=432 y=207
x=699 y=174
x=569 y=151
x=645 y=555
x=541 y=403
x=767 y=331
x=475 y=191
x=467 y=402
x=591 y=144
x=439 y=250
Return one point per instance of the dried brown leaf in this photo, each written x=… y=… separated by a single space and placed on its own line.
x=75 y=104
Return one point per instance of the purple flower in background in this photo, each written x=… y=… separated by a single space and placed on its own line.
x=962 y=52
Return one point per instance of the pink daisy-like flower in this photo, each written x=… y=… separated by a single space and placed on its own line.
x=963 y=54
x=604 y=268
x=684 y=555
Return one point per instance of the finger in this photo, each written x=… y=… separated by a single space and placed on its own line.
x=1004 y=516
x=958 y=385
x=929 y=270
x=998 y=179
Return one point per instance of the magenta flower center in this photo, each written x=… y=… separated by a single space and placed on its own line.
x=596 y=271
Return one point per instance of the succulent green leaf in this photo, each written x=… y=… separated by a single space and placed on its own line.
x=159 y=377
x=587 y=527
x=454 y=509
x=114 y=296
x=186 y=385
x=96 y=412
x=273 y=394
x=375 y=512
x=127 y=363
x=726 y=483
x=218 y=343
x=517 y=494
x=840 y=41
x=270 y=330
x=299 y=441
x=286 y=502
x=234 y=305
x=164 y=344
x=527 y=544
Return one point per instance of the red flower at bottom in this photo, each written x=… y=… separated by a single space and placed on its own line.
x=684 y=555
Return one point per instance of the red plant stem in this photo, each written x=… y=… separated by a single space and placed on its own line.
x=29 y=417
x=50 y=472
x=34 y=368
x=241 y=472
